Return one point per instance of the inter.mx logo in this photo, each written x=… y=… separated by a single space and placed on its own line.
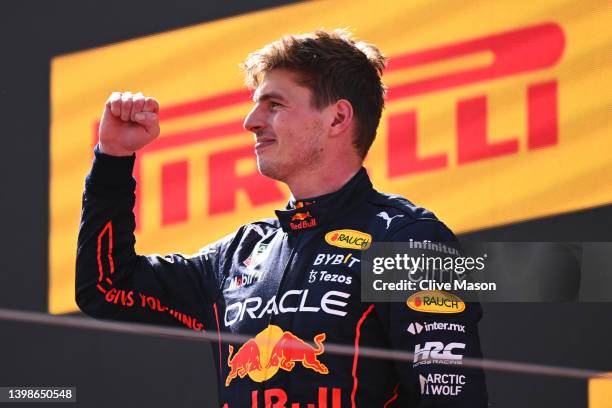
x=514 y=53
x=417 y=328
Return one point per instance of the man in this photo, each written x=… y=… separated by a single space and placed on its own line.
x=290 y=283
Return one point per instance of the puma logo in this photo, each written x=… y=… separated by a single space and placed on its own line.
x=385 y=216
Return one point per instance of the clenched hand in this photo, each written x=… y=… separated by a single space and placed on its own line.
x=129 y=122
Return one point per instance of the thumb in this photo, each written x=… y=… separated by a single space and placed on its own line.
x=149 y=120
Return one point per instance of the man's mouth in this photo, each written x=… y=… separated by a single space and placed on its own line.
x=263 y=143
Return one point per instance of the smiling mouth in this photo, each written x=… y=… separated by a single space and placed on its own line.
x=262 y=144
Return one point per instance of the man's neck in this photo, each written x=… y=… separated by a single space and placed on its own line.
x=318 y=183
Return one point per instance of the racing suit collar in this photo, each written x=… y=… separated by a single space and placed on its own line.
x=319 y=211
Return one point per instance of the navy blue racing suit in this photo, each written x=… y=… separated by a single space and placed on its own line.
x=292 y=285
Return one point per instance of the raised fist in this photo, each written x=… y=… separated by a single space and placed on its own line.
x=129 y=122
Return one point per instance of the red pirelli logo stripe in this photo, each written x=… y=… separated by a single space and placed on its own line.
x=517 y=51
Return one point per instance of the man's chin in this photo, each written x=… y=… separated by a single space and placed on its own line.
x=270 y=170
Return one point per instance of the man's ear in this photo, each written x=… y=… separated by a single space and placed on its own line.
x=343 y=116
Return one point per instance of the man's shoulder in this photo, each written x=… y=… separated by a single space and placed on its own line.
x=395 y=204
x=260 y=228
x=402 y=218
x=253 y=231
x=264 y=225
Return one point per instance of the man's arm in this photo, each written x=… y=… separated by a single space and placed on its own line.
x=112 y=281
x=441 y=337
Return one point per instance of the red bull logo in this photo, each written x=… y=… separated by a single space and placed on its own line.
x=291 y=348
x=302 y=222
x=246 y=359
x=301 y=204
x=272 y=349
x=300 y=216
x=278 y=398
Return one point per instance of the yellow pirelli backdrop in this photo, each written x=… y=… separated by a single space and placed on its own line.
x=497 y=112
x=600 y=392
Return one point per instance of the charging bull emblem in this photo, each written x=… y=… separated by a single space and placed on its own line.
x=261 y=357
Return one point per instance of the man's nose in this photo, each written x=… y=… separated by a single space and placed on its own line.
x=254 y=121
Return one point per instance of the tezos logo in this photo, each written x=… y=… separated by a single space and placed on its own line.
x=325 y=276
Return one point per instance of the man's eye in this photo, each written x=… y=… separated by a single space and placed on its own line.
x=274 y=104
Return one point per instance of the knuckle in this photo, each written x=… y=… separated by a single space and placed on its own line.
x=153 y=104
x=114 y=98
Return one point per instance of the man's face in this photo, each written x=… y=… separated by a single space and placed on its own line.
x=289 y=131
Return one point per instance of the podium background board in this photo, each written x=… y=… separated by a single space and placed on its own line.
x=524 y=188
x=496 y=113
